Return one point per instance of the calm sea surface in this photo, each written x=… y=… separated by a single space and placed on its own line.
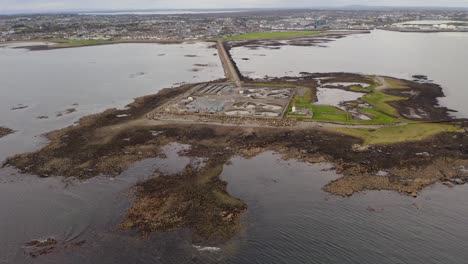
x=443 y=57
x=289 y=220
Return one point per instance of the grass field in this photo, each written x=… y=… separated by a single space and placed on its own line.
x=378 y=117
x=76 y=43
x=395 y=83
x=396 y=134
x=305 y=99
x=272 y=35
x=332 y=114
x=328 y=113
x=381 y=113
x=380 y=101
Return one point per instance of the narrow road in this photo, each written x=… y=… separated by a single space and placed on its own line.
x=383 y=84
x=229 y=69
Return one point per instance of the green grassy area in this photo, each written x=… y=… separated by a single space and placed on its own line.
x=395 y=83
x=328 y=113
x=378 y=117
x=64 y=43
x=272 y=35
x=76 y=43
x=360 y=89
x=380 y=101
x=59 y=42
x=396 y=134
x=304 y=100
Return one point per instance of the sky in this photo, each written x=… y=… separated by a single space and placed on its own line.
x=16 y=6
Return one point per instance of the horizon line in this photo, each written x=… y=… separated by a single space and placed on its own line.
x=350 y=7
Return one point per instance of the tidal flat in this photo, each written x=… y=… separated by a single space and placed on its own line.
x=109 y=142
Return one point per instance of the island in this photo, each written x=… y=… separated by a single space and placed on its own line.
x=388 y=134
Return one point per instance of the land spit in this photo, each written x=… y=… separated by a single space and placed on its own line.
x=305 y=41
x=5 y=131
x=109 y=142
x=46 y=45
x=312 y=40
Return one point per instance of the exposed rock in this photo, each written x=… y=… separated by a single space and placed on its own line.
x=65 y=112
x=36 y=248
x=19 y=107
x=5 y=131
x=195 y=198
x=107 y=144
x=425 y=154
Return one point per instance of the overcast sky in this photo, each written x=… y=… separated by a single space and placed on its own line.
x=12 y=6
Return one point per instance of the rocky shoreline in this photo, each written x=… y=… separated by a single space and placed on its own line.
x=318 y=40
x=5 y=131
x=195 y=198
x=109 y=142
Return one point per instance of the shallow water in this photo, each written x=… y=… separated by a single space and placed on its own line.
x=289 y=220
x=443 y=57
x=90 y=80
x=428 y=22
x=71 y=211
x=335 y=97
x=347 y=84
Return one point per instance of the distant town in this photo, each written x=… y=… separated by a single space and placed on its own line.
x=133 y=26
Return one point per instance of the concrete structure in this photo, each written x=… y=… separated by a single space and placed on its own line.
x=227 y=99
x=229 y=68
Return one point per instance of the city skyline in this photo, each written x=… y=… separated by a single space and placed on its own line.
x=45 y=6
